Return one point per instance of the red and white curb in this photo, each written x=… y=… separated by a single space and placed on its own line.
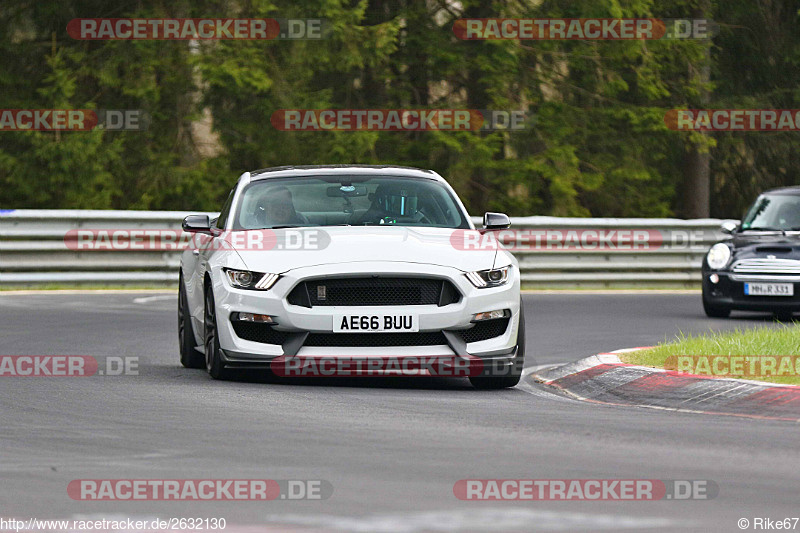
x=604 y=379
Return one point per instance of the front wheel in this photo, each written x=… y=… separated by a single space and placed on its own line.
x=714 y=311
x=214 y=365
x=783 y=316
x=514 y=374
x=190 y=358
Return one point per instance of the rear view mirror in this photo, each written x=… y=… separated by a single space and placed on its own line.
x=347 y=190
x=197 y=224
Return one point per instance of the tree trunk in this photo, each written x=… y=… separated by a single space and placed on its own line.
x=697 y=185
x=477 y=98
x=697 y=162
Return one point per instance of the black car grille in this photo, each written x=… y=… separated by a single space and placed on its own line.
x=352 y=340
x=266 y=334
x=374 y=291
x=482 y=331
x=263 y=333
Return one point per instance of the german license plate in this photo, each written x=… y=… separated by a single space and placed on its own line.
x=769 y=289
x=375 y=323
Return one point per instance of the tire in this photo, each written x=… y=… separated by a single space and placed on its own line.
x=783 y=316
x=515 y=373
x=713 y=311
x=213 y=358
x=190 y=358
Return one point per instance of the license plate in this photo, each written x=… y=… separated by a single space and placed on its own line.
x=769 y=289
x=375 y=323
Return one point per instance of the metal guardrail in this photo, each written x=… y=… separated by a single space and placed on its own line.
x=33 y=250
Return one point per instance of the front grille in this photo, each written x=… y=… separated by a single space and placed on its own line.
x=266 y=334
x=353 y=340
x=767 y=266
x=484 y=330
x=263 y=333
x=373 y=292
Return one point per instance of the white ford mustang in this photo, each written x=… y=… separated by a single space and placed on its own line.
x=348 y=261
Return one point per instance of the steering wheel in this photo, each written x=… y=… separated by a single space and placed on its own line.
x=421 y=218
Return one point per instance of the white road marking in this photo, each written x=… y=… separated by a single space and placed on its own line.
x=653 y=292
x=147 y=299
x=28 y=292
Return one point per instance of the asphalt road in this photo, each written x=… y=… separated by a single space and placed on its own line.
x=392 y=449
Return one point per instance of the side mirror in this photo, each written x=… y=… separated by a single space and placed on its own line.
x=197 y=224
x=496 y=221
x=729 y=227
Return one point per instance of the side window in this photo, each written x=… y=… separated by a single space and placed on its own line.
x=226 y=211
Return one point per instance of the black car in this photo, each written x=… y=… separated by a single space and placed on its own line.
x=758 y=268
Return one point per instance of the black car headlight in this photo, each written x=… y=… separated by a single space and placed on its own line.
x=246 y=279
x=483 y=279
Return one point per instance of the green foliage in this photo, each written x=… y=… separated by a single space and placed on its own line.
x=596 y=144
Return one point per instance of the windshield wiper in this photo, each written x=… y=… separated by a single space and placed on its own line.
x=761 y=229
x=287 y=226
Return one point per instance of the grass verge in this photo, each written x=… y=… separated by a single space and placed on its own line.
x=760 y=354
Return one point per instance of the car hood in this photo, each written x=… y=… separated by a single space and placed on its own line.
x=766 y=238
x=762 y=244
x=347 y=244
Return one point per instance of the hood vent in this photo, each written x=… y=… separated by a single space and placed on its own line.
x=774 y=249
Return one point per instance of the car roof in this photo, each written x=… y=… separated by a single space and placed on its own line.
x=793 y=190
x=327 y=170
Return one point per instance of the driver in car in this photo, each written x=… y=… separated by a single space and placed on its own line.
x=392 y=204
x=276 y=208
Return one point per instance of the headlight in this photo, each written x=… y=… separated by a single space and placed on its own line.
x=245 y=279
x=718 y=256
x=484 y=279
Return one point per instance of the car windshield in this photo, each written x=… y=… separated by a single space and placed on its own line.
x=347 y=200
x=777 y=212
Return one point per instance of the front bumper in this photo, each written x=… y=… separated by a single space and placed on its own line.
x=729 y=292
x=296 y=322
